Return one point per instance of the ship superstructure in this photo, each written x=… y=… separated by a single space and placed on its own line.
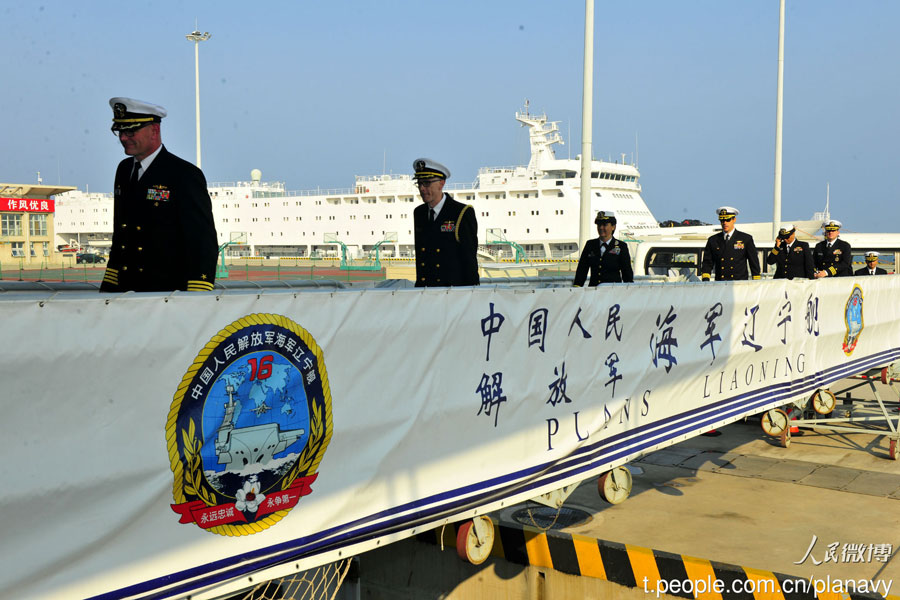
x=536 y=206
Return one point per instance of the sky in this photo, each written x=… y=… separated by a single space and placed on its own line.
x=314 y=93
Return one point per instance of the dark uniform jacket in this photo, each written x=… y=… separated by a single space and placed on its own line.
x=794 y=262
x=729 y=262
x=446 y=250
x=613 y=267
x=164 y=237
x=865 y=271
x=836 y=261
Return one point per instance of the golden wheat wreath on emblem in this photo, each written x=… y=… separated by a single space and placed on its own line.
x=249 y=425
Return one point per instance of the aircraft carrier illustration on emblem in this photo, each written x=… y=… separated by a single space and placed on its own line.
x=256 y=444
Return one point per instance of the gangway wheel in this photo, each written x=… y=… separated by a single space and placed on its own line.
x=615 y=486
x=774 y=422
x=474 y=540
x=823 y=402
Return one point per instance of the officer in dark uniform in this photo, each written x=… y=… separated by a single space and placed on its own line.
x=164 y=237
x=446 y=231
x=832 y=256
x=729 y=252
x=606 y=257
x=791 y=257
x=871 y=267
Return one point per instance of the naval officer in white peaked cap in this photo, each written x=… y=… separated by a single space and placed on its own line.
x=832 y=256
x=729 y=253
x=446 y=231
x=164 y=236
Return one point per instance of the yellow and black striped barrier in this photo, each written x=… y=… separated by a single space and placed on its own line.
x=652 y=571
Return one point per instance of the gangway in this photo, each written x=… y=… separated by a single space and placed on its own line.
x=419 y=407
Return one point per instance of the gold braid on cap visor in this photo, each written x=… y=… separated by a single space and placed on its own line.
x=136 y=121
x=423 y=174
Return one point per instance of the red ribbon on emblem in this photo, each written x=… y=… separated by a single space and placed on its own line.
x=205 y=516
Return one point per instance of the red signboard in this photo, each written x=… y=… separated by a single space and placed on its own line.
x=26 y=205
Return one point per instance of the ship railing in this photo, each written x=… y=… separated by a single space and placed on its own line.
x=278 y=185
x=496 y=170
x=383 y=178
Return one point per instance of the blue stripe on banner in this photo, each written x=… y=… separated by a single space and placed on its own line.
x=591 y=457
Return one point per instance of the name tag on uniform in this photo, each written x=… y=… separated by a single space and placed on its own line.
x=739 y=245
x=448 y=227
x=158 y=193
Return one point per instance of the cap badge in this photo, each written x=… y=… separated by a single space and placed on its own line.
x=119 y=110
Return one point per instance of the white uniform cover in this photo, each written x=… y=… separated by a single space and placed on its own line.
x=161 y=446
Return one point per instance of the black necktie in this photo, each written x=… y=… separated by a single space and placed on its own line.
x=603 y=248
x=431 y=215
x=134 y=172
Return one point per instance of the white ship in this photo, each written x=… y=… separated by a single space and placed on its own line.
x=536 y=206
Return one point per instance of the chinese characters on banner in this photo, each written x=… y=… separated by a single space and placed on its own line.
x=26 y=205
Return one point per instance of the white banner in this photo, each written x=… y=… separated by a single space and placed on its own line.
x=159 y=446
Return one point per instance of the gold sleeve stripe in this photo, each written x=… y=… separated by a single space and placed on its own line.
x=459 y=219
x=833 y=271
x=196 y=285
x=756 y=277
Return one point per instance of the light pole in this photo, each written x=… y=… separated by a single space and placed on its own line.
x=197 y=37
x=587 y=112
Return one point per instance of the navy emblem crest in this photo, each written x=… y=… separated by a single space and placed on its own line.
x=248 y=426
x=853 y=319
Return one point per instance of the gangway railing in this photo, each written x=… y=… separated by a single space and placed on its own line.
x=385 y=411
